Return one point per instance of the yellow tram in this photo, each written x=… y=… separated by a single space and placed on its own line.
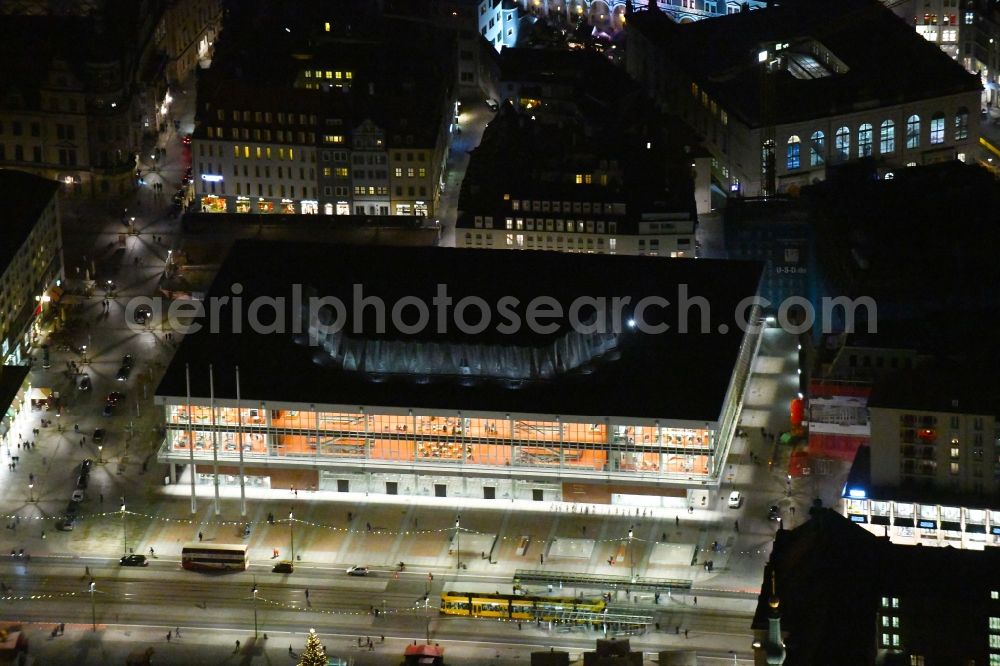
x=518 y=607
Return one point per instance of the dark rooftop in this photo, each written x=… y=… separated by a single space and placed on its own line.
x=669 y=375
x=887 y=62
x=25 y=197
x=970 y=387
x=831 y=576
x=11 y=379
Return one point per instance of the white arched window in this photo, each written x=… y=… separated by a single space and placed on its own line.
x=817 y=149
x=842 y=144
x=887 y=137
x=961 y=124
x=793 y=155
x=913 y=132
x=937 y=128
x=865 y=140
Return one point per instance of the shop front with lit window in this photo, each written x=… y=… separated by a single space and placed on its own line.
x=926 y=524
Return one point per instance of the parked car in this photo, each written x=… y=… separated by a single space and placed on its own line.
x=123 y=373
x=133 y=560
x=115 y=397
x=108 y=409
x=84 y=384
x=357 y=571
x=98 y=435
x=142 y=313
x=86 y=465
x=774 y=513
x=186 y=139
x=127 y=361
x=77 y=496
x=735 y=499
x=284 y=567
x=66 y=524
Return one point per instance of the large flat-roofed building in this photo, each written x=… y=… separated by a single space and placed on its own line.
x=31 y=261
x=613 y=409
x=932 y=473
x=782 y=94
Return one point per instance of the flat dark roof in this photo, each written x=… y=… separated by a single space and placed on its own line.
x=25 y=196
x=888 y=62
x=11 y=378
x=671 y=375
x=968 y=387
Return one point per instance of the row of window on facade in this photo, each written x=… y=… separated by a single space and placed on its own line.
x=280 y=136
x=64 y=156
x=550 y=242
x=550 y=224
x=866 y=139
x=564 y=206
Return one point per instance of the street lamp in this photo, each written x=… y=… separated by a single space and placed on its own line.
x=100 y=459
x=124 y=530
x=458 y=542
x=254 y=592
x=631 y=554
x=291 y=534
x=93 y=604
x=31 y=492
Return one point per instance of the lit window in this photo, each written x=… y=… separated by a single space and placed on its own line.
x=865 y=140
x=817 y=149
x=954 y=468
x=968 y=18
x=792 y=157
x=913 y=132
x=587 y=178
x=842 y=144
x=995 y=624
x=579 y=179
x=994 y=594
x=962 y=124
x=342 y=172
x=937 y=128
x=397 y=172
x=246 y=152
x=887 y=137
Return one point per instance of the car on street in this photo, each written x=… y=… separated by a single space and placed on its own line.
x=108 y=409
x=82 y=481
x=123 y=373
x=84 y=384
x=735 y=499
x=284 y=567
x=77 y=496
x=142 y=313
x=115 y=397
x=357 y=571
x=86 y=465
x=774 y=513
x=127 y=361
x=186 y=139
x=98 y=435
x=66 y=524
x=133 y=560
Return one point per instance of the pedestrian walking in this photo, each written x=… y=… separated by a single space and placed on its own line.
x=369 y=526
x=151 y=553
x=541 y=558
x=200 y=535
x=736 y=524
x=177 y=632
x=307 y=594
x=102 y=498
x=237 y=646
x=696 y=601
x=168 y=636
x=677 y=521
x=685 y=633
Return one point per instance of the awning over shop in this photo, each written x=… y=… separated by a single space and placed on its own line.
x=973 y=528
x=880 y=520
x=950 y=526
x=903 y=522
x=38 y=394
x=55 y=294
